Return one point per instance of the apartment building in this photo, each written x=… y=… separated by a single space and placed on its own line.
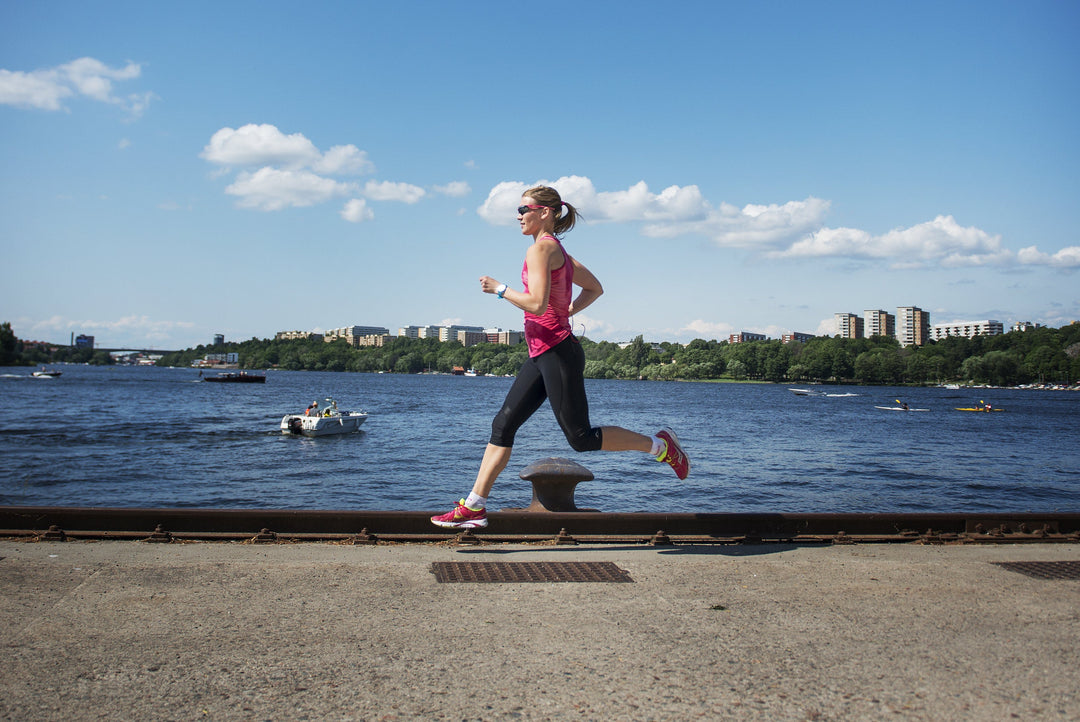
x=419 y=331
x=450 y=333
x=746 y=336
x=297 y=336
x=376 y=339
x=879 y=323
x=848 y=325
x=967 y=329
x=912 y=326
x=351 y=333
x=506 y=338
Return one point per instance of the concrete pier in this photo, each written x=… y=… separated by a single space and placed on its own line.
x=320 y=631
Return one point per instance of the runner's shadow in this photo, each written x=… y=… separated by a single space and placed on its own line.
x=725 y=550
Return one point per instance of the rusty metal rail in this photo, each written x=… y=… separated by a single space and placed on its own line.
x=370 y=527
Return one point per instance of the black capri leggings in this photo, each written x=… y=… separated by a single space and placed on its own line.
x=557 y=375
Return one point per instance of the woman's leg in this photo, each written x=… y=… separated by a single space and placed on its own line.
x=495 y=460
x=616 y=438
x=563 y=369
x=522 y=400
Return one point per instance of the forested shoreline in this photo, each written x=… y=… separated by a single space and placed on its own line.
x=1042 y=355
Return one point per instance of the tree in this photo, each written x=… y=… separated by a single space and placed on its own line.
x=638 y=353
x=868 y=368
x=7 y=344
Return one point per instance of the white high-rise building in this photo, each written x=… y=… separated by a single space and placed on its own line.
x=912 y=326
x=848 y=325
x=879 y=323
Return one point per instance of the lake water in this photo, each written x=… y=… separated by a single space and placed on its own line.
x=160 y=437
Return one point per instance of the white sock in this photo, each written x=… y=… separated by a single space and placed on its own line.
x=476 y=502
x=658 y=446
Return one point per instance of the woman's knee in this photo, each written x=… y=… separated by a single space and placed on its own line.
x=585 y=439
x=502 y=432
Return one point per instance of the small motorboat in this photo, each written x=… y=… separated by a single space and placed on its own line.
x=45 y=373
x=323 y=422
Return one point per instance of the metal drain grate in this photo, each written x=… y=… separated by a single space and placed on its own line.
x=515 y=572
x=1045 y=570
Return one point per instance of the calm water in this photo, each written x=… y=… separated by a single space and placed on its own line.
x=154 y=437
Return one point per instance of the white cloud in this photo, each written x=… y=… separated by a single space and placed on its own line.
x=270 y=189
x=388 y=191
x=637 y=203
x=260 y=145
x=793 y=230
x=94 y=79
x=454 y=189
x=47 y=89
x=1065 y=258
x=293 y=172
x=356 y=211
x=827 y=327
x=759 y=227
x=254 y=145
x=344 y=159
x=708 y=330
x=40 y=89
x=941 y=242
x=675 y=211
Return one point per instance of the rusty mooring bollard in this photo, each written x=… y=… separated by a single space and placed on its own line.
x=553 y=482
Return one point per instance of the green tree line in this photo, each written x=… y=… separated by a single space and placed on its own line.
x=1043 y=355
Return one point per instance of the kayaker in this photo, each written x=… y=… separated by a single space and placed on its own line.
x=556 y=365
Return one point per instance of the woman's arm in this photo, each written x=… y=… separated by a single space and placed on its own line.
x=590 y=287
x=539 y=258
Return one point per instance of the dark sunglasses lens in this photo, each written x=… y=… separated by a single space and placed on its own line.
x=522 y=210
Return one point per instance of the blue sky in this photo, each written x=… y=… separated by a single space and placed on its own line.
x=174 y=170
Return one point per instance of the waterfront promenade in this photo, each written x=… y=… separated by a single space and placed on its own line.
x=319 y=631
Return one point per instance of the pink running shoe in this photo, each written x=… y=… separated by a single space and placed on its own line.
x=673 y=453
x=462 y=517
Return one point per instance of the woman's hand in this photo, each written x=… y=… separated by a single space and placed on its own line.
x=488 y=284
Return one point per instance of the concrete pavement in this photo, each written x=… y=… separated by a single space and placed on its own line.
x=315 y=631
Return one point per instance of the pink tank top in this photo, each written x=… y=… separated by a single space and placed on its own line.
x=544 y=332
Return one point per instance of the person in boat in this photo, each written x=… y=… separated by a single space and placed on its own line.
x=555 y=368
x=904 y=406
x=312 y=409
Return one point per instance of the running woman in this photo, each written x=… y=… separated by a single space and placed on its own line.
x=556 y=365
